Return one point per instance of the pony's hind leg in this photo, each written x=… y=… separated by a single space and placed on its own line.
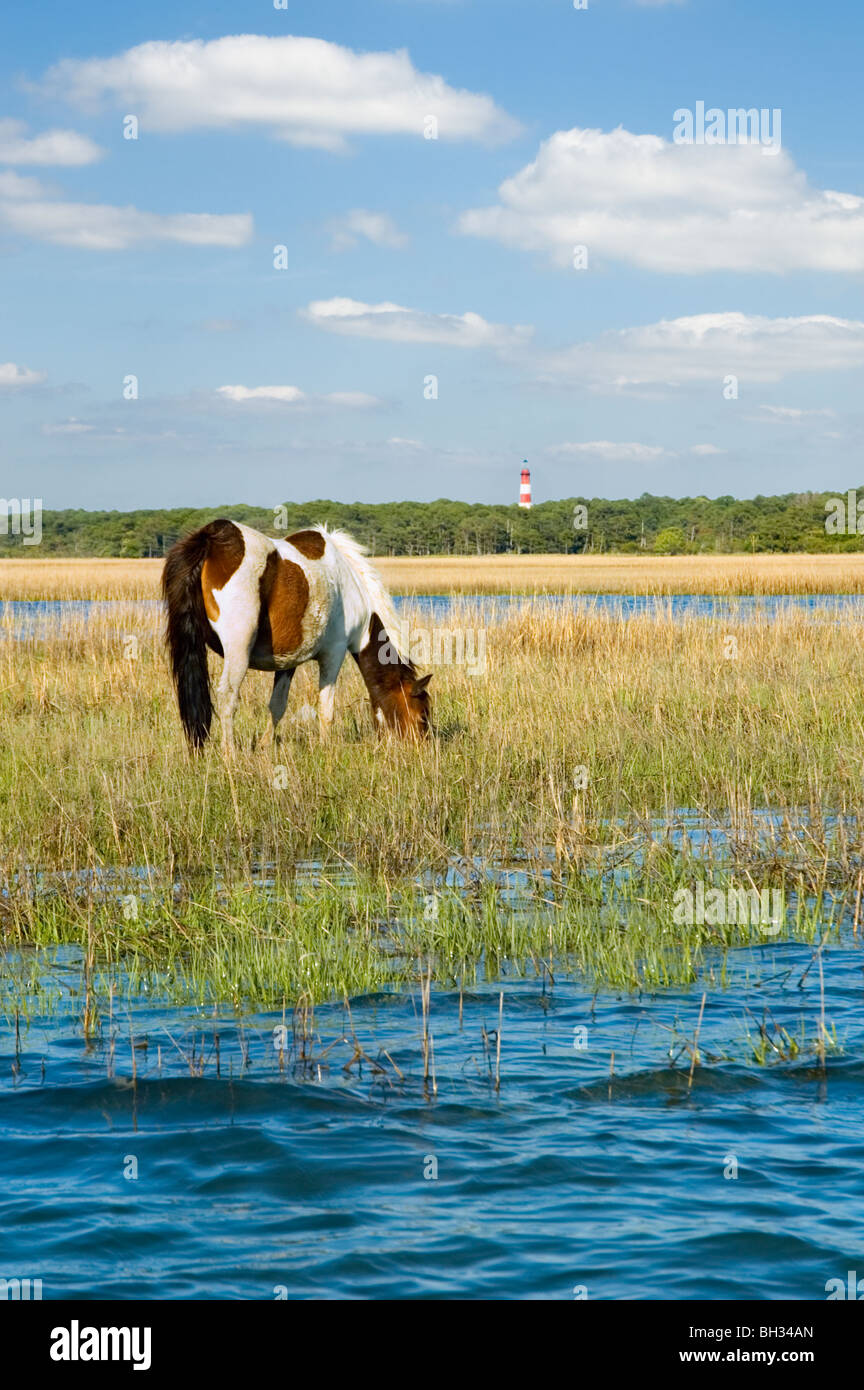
x=236 y=664
x=278 y=700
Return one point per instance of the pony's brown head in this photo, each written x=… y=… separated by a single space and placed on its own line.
x=399 y=697
x=405 y=708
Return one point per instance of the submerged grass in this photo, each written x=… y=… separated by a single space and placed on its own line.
x=543 y=825
x=254 y=946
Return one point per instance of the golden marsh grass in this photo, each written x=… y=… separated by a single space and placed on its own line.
x=638 y=574
x=653 y=706
x=96 y=772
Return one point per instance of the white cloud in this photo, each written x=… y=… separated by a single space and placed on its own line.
x=304 y=90
x=28 y=207
x=14 y=185
x=13 y=375
x=626 y=452
x=708 y=347
x=70 y=426
x=65 y=147
x=791 y=414
x=287 y=395
x=394 y=323
x=377 y=227
x=608 y=449
x=221 y=325
x=292 y=395
x=353 y=400
x=101 y=227
x=110 y=434
x=676 y=208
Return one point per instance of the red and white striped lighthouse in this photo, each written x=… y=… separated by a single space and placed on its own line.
x=525 y=489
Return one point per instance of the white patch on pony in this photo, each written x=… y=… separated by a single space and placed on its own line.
x=379 y=716
x=373 y=595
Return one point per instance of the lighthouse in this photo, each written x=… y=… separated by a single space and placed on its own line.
x=525 y=489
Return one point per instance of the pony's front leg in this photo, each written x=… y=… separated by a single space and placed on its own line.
x=278 y=700
x=329 y=666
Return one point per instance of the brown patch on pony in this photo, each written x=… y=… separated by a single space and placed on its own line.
x=309 y=543
x=224 y=557
x=284 y=597
x=396 y=693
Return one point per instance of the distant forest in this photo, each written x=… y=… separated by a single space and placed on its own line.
x=595 y=525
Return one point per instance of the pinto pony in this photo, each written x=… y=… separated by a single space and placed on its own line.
x=273 y=604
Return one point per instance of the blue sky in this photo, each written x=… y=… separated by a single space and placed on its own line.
x=409 y=258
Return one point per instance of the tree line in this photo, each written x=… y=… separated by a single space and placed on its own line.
x=662 y=525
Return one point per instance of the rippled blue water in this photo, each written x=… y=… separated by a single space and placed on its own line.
x=310 y=1178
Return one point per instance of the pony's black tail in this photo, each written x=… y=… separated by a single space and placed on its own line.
x=187 y=631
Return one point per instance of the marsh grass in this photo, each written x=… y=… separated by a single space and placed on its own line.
x=724 y=575
x=771 y=1042
x=93 y=578
x=597 y=765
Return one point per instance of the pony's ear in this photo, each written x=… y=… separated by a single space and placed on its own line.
x=419 y=686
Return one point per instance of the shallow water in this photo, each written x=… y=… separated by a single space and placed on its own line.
x=309 y=1176
x=716 y=842
x=31 y=617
